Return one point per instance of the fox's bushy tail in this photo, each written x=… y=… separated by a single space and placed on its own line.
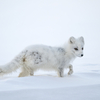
x=13 y=65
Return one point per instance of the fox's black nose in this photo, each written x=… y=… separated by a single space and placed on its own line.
x=81 y=55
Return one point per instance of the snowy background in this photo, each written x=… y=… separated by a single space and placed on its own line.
x=51 y=22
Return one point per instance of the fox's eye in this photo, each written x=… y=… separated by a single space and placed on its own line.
x=76 y=49
x=82 y=48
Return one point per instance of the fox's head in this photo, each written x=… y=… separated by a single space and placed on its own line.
x=77 y=46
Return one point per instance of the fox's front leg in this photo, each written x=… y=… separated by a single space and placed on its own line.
x=60 y=72
x=70 y=69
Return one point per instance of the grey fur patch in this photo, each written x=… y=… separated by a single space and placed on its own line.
x=37 y=57
x=61 y=50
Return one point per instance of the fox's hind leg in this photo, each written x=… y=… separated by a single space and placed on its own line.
x=25 y=72
x=31 y=72
x=70 y=69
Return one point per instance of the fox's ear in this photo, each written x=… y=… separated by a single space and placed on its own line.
x=82 y=39
x=72 y=39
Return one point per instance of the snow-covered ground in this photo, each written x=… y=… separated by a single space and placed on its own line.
x=51 y=22
x=84 y=84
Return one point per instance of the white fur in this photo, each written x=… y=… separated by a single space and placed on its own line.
x=45 y=57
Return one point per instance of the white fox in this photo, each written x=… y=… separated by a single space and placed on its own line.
x=46 y=57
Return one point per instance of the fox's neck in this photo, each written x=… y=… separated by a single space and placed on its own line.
x=69 y=52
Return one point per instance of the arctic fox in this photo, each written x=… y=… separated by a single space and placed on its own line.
x=46 y=57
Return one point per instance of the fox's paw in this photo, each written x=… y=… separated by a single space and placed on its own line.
x=70 y=72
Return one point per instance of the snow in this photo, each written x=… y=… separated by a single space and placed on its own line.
x=84 y=84
x=51 y=22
